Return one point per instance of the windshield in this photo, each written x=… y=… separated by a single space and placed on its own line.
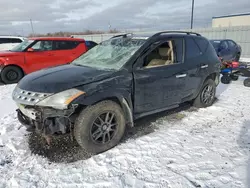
x=20 y=47
x=110 y=54
x=215 y=43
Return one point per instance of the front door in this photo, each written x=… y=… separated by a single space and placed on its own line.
x=159 y=77
x=41 y=55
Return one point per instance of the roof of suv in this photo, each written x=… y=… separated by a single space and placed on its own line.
x=160 y=34
x=57 y=38
x=12 y=37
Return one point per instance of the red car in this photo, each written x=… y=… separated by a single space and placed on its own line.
x=37 y=53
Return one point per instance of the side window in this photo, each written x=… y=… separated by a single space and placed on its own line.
x=65 y=45
x=13 y=40
x=224 y=45
x=167 y=53
x=192 y=49
x=42 y=46
x=202 y=43
x=4 y=40
x=231 y=44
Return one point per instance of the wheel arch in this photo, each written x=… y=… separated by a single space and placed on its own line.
x=122 y=99
x=13 y=65
x=212 y=76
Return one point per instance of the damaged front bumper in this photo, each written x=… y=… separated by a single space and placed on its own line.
x=45 y=120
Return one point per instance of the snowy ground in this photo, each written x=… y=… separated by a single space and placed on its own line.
x=186 y=148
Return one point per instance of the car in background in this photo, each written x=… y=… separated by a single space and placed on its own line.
x=227 y=49
x=118 y=81
x=9 y=42
x=90 y=44
x=34 y=54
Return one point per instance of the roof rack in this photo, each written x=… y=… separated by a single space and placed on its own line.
x=186 y=32
x=122 y=35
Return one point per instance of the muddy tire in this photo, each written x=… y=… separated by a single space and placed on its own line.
x=247 y=82
x=100 y=127
x=11 y=74
x=206 y=96
x=226 y=79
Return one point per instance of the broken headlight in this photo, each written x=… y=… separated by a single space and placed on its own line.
x=61 y=100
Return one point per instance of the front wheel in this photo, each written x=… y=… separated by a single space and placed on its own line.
x=11 y=74
x=100 y=127
x=207 y=94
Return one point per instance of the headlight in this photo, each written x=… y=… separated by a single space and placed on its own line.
x=61 y=100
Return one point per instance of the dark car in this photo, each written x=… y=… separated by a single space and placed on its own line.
x=122 y=79
x=227 y=49
x=90 y=44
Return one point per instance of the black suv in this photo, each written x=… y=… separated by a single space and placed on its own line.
x=120 y=80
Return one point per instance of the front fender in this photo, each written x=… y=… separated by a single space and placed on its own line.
x=120 y=95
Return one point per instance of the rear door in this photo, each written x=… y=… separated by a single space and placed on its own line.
x=233 y=48
x=67 y=51
x=41 y=55
x=224 y=51
x=159 y=77
x=196 y=64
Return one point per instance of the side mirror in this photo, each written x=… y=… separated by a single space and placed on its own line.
x=30 y=50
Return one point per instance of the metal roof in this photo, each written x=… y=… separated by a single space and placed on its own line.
x=232 y=15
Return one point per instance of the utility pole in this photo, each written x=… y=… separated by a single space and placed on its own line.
x=192 y=15
x=31 y=24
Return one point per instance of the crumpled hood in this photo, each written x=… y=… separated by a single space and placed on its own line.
x=57 y=79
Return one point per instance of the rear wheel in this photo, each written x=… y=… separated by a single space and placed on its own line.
x=247 y=82
x=207 y=94
x=11 y=74
x=100 y=127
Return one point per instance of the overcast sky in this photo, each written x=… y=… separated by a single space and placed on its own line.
x=80 y=15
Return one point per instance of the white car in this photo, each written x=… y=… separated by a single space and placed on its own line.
x=9 y=42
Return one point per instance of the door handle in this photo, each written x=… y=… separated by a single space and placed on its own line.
x=204 y=66
x=181 y=75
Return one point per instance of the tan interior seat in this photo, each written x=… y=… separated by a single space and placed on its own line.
x=166 y=56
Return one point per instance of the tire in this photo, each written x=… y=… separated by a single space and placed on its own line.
x=11 y=74
x=86 y=126
x=226 y=79
x=234 y=77
x=247 y=82
x=237 y=57
x=199 y=101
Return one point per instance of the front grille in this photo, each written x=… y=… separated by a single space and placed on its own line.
x=28 y=97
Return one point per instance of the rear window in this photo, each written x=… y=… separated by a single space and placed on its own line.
x=192 y=49
x=202 y=43
x=215 y=43
x=65 y=45
x=90 y=44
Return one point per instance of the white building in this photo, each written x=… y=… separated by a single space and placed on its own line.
x=231 y=20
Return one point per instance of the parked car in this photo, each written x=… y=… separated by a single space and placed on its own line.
x=9 y=42
x=122 y=79
x=38 y=53
x=90 y=44
x=227 y=49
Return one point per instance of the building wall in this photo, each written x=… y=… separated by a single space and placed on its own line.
x=243 y=20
